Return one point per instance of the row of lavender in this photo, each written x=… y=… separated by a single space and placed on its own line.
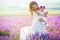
x=54 y=29
x=13 y=24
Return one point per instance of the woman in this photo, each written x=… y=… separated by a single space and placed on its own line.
x=37 y=29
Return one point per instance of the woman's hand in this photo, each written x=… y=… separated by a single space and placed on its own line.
x=40 y=20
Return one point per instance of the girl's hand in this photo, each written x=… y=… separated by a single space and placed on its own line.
x=45 y=15
x=38 y=13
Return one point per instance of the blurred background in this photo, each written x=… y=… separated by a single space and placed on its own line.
x=15 y=13
x=21 y=7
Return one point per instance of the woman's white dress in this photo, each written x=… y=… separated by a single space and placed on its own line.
x=36 y=26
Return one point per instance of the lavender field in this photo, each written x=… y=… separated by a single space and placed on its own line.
x=12 y=24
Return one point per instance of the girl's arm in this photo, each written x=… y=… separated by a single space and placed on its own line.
x=45 y=15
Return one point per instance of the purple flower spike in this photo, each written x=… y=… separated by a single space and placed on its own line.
x=44 y=7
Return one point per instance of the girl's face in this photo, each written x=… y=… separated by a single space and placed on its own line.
x=34 y=7
x=42 y=8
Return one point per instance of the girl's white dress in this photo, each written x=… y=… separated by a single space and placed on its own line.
x=36 y=26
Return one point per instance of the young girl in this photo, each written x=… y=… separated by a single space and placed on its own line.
x=37 y=30
x=43 y=14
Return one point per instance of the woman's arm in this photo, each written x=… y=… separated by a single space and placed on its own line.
x=41 y=19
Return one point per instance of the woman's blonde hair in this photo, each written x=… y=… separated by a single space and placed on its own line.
x=30 y=6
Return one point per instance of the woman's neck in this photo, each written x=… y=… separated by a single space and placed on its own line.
x=35 y=10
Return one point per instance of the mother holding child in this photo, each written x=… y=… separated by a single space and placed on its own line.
x=37 y=31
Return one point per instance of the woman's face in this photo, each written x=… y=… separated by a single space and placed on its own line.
x=34 y=7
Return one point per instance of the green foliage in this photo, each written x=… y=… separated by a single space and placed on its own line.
x=4 y=33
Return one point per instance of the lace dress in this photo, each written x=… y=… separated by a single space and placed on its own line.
x=37 y=31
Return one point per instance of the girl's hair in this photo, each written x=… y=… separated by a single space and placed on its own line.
x=30 y=6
